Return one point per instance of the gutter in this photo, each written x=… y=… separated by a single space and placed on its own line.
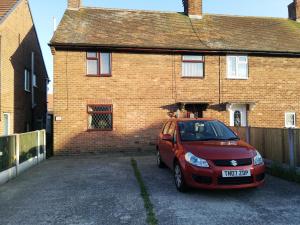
x=168 y=50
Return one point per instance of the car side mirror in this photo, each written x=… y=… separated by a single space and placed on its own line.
x=167 y=137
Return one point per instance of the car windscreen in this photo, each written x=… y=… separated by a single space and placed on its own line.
x=205 y=131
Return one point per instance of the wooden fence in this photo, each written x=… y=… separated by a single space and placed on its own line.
x=278 y=145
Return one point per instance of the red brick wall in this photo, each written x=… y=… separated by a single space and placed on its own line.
x=18 y=41
x=144 y=87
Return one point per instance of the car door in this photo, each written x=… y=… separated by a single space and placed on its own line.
x=170 y=146
x=162 y=144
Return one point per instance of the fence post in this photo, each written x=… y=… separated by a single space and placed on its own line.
x=17 y=153
x=248 y=134
x=45 y=144
x=291 y=147
x=38 y=147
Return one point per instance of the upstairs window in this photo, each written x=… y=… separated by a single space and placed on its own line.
x=237 y=67
x=100 y=117
x=192 y=66
x=27 y=80
x=290 y=119
x=98 y=63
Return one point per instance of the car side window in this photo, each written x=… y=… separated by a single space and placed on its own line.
x=166 y=128
x=172 y=129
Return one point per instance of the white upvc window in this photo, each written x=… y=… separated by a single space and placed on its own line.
x=192 y=66
x=27 y=80
x=237 y=67
x=290 y=119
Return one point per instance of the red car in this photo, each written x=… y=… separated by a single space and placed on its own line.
x=205 y=153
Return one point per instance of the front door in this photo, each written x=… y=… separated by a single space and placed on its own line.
x=238 y=116
x=6 y=123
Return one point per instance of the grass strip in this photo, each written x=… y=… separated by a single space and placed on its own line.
x=289 y=174
x=151 y=218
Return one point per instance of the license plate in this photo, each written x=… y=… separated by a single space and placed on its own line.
x=236 y=173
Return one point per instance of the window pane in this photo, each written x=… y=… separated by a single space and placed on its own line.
x=192 y=69
x=92 y=55
x=243 y=59
x=100 y=121
x=232 y=66
x=193 y=57
x=290 y=120
x=99 y=108
x=242 y=70
x=105 y=63
x=92 y=67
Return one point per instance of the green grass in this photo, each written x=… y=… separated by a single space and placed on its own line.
x=151 y=218
x=289 y=174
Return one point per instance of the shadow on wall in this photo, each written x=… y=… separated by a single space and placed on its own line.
x=26 y=117
x=143 y=139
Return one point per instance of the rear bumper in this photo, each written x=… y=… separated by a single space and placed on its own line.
x=211 y=178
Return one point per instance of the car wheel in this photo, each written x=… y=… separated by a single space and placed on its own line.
x=159 y=161
x=179 y=179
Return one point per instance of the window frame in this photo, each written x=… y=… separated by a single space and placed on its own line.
x=27 y=81
x=237 y=76
x=100 y=112
x=285 y=119
x=98 y=59
x=193 y=61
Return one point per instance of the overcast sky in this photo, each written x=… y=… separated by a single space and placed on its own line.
x=44 y=11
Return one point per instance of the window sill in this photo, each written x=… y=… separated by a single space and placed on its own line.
x=199 y=77
x=96 y=130
x=237 y=78
x=27 y=91
x=99 y=75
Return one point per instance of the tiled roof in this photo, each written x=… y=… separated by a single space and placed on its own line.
x=6 y=6
x=165 y=30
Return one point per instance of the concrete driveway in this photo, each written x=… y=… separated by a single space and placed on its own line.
x=278 y=202
x=74 y=190
x=102 y=189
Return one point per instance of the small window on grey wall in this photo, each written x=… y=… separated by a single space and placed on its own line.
x=192 y=66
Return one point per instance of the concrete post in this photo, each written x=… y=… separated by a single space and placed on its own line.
x=38 y=147
x=17 y=153
x=291 y=147
x=45 y=144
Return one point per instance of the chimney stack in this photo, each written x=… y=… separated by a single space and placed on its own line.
x=74 y=4
x=193 y=8
x=294 y=10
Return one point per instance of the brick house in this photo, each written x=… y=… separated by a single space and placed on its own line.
x=23 y=76
x=119 y=74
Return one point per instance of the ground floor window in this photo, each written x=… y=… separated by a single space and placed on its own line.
x=290 y=119
x=100 y=117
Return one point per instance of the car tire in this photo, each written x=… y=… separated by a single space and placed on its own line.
x=179 y=178
x=159 y=161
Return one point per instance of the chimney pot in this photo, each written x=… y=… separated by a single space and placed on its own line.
x=193 y=8
x=74 y=4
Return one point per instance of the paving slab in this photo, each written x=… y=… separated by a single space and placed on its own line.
x=83 y=190
x=277 y=202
